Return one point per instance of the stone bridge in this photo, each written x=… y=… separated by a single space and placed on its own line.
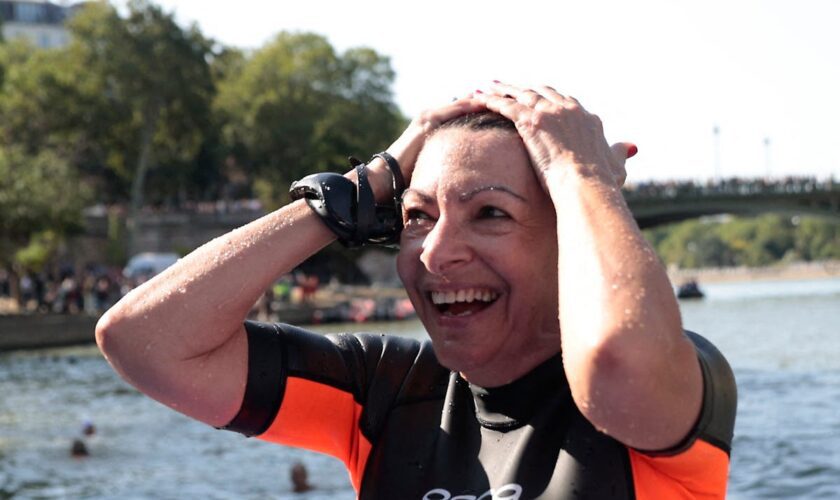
x=652 y=204
x=656 y=204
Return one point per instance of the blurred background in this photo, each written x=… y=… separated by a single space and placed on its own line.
x=132 y=132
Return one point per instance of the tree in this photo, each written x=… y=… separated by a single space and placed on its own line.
x=297 y=107
x=817 y=239
x=692 y=244
x=42 y=101
x=41 y=202
x=126 y=99
x=157 y=74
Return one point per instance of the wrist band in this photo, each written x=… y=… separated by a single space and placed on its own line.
x=396 y=173
x=349 y=210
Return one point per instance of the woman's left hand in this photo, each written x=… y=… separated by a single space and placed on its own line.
x=559 y=134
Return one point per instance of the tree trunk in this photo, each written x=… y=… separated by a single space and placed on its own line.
x=144 y=160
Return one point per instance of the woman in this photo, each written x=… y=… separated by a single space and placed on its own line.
x=514 y=225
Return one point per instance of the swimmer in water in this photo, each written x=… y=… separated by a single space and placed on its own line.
x=557 y=366
x=88 y=429
x=300 y=478
x=79 y=449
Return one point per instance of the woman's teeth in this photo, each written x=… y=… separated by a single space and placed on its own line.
x=468 y=295
x=459 y=299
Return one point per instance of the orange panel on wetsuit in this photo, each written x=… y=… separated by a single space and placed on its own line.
x=318 y=417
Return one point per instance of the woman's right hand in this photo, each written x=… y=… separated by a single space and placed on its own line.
x=407 y=147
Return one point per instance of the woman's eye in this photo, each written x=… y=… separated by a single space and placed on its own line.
x=489 y=212
x=415 y=215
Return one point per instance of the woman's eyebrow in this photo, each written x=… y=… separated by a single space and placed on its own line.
x=467 y=196
x=424 y=197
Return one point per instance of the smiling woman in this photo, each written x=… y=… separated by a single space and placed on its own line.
x=477 y=222
x=556 y=356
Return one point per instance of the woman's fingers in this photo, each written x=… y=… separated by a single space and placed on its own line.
x=432 y=118
x=533 y=97
x=557 y=130
x=508 y=107
x=528 y=97
x=622 y=151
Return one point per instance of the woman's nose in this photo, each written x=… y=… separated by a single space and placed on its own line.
x=445 y=247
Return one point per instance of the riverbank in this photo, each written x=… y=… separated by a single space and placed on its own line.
x=36 y=331
x=351 y=304
x=778 y=272
x=329 y=304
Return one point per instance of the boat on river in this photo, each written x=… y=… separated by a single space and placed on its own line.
x=690 y=290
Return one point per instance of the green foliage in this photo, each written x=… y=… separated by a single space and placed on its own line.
x=41 y=103
x=158 y=76
x=693 y=244
x=297 y=107
x=41 y=200
x=144 y=111
x=133 y=103
x=758 y=241
x=35 y=255
x=816 y=239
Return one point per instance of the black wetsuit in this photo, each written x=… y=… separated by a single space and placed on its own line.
x=407 y=428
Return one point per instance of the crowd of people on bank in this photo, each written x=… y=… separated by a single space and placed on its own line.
x=94 y=288
x=66 y=289
x=729 y=186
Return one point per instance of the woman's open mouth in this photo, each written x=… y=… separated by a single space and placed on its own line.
x=463 y=302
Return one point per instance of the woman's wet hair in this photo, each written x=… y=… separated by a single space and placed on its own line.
x=482 y=120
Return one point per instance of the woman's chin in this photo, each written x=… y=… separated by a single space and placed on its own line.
x=461 y=358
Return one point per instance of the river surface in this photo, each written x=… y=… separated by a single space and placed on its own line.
x=782 y=338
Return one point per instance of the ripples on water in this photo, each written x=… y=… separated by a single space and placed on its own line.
x=782 y=339
x=140 y=450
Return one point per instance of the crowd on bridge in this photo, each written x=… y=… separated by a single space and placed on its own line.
x=730 y=186
x=739 y=186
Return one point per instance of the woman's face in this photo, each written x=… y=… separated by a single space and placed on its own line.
x=478 y=255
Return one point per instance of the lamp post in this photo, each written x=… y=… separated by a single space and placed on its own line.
x=716 y=132
x=767 y=157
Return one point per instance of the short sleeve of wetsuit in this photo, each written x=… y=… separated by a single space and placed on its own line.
x=326 y=393
x=698 y=467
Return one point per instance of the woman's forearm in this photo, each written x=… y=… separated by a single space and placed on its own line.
x=628 y=362
x=197 y=302
x=179 y=337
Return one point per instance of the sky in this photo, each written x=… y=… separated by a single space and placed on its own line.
x=662 y=74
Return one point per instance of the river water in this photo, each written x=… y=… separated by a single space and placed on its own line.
x=782 y=338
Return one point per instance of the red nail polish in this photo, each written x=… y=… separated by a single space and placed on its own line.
x=496 y=81
x=632 y=150
x=478 y=91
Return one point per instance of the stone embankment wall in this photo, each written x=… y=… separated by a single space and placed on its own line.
x=31 y=331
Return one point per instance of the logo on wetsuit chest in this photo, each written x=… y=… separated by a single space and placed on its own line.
x=510 y=491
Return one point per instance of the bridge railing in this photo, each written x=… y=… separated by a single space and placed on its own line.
x=730 y=187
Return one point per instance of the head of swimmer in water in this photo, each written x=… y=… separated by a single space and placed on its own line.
x=478 y=253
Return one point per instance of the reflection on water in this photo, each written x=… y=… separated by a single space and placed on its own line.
x=781 y=338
